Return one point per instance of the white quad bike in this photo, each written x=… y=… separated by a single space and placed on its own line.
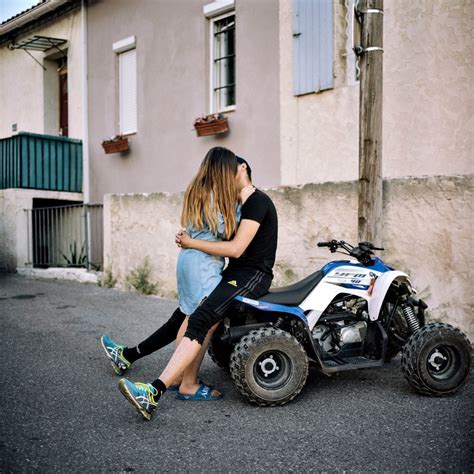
x=351 y=314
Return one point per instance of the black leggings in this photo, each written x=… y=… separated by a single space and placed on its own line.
x=163 y=336
x=244 y=283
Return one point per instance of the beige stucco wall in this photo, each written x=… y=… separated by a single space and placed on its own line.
x=427 y=233
x=173 y=67
x=14 y=250
x=318 y=132
x=428 y=98
x=22 y=81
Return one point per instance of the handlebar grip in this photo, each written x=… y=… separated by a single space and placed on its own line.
x=324 y=244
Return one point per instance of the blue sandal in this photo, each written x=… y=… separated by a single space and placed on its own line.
x=203 y=393
x=175 y=387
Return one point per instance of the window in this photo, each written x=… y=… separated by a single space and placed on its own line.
x=127 y=84
x=223 y=63
x=312 y=46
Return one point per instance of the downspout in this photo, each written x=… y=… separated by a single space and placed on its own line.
x=85 y=107
x=85 y=131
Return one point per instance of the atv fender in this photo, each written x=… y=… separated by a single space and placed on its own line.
x=294 y=311
x=279 y=308
x=381 y=286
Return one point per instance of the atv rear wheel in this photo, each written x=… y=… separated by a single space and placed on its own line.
x=269 y=367
x=436 y=359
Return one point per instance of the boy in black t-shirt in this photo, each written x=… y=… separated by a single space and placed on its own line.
x=249 y=273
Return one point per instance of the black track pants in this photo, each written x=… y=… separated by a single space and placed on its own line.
x=252 y=284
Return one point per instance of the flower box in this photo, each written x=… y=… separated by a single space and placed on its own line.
x=211 y=125
x=115 y=144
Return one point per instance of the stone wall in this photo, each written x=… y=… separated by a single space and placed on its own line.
x=427 y=233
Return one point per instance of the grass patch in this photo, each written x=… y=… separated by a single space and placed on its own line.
x=139 y=279
x=107 y=279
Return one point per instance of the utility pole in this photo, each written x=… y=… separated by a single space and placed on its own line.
x=370 y=120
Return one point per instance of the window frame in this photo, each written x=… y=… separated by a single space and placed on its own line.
x=119 y=48
x=212 y=105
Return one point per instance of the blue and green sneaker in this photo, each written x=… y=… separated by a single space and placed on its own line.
x=115 y=354
x=141 y=396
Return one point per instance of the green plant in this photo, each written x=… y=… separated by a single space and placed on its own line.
x=75 y=258
x=139 y=279
x=107 y=279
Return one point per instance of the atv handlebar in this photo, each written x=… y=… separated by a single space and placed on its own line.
x=363 y=252
x=333 y=245
x=324 y=244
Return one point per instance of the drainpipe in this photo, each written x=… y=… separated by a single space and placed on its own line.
x=85 y=106
x=85 y=130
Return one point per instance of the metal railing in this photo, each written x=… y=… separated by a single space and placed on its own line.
x=65 y=236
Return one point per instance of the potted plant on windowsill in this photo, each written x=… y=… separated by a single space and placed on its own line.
x=115 y=144
x=211 y=125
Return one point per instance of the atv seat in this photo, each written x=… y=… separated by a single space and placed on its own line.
x=293 y=294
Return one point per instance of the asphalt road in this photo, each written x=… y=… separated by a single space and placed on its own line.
x=61 y=410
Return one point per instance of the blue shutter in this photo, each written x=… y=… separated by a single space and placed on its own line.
x=312 y=46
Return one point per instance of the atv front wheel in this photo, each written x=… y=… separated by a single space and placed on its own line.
x=269 y=367
x=436 y=359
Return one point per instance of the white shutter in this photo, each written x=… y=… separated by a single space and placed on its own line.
x=128 y=91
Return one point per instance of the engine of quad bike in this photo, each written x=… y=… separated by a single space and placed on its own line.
x=342 y=329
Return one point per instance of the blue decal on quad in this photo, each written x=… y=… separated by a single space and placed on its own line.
x=355 y=287
x=265 y=306
x=378 y=266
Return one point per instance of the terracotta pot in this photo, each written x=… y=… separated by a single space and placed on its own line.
x=116 y=146
x=212 y=127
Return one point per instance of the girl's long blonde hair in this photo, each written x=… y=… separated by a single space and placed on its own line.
x=213 y=189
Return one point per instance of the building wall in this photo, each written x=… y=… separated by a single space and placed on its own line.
x=23 y=87
x=427 y=116
x=172 y=42
x=423 y=228
x=14 y=224
x=318 y=132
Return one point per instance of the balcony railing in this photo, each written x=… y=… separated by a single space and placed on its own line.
x=33 y=161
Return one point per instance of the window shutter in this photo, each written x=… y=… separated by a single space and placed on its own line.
x=312 y=46
x=128 y=91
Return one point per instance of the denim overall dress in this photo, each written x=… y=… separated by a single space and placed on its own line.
x=198 y=273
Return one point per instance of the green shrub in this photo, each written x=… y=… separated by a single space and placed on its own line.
x=76 y=258
x=139 y=279
x=107 y=280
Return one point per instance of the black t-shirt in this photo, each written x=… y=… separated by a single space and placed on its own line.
x=260 y=254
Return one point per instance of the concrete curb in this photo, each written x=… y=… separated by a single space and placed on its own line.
x=74 y=274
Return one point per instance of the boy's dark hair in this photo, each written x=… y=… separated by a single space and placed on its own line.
x=249 y=170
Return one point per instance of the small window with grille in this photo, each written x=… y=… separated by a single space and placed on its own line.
x=223 y=63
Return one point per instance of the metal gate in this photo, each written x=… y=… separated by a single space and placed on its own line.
x=65 y=236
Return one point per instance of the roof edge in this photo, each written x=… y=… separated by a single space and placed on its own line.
x=30 y=15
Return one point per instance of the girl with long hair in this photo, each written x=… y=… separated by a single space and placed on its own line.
x=210 y=212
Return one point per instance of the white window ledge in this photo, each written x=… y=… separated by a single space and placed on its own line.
x=218 y=7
